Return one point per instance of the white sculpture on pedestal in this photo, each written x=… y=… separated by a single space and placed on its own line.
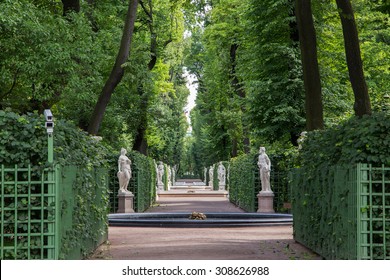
x=124 y=173
x=301 y=138
x=160 y=173
x=264 y=165
x=221 y=176
x=211 y=176
x=169 y=170
x=173 y=175
x=205 y=175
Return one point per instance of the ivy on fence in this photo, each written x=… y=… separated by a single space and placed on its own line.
x=83 y=200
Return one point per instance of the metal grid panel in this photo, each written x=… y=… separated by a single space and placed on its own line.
x=28 y=209
x=374 y=212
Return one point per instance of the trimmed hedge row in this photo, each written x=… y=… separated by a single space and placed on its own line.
x=242 y=185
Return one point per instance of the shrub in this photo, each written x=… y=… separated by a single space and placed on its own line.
x=23 y=140
x=365 y=139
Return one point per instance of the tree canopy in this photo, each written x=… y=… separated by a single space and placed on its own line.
x=246 y=56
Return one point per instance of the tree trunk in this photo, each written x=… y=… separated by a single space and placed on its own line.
x=311 y=74
x=241 y=93
x=70 y=6
x=117 y=71
x=140 y=143
x=362 y=104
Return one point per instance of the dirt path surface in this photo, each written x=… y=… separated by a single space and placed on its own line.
x=195 y=203
x=213 y=243
x=234 y=243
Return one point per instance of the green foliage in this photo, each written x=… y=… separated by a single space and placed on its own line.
x=84 y=209
x=325 y=187
x=83 y=192
x=324 y=208
x=143 y=184
x=167 y=124
x=242 y=187
x=42 y=64
x=272 y=71
x=357 y=140
x=57 y=62
x=23 y=140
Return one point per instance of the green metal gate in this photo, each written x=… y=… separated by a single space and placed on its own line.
x=28 y=213
x=374 y=212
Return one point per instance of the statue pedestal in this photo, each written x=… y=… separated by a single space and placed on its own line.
x=160 y=187
x=125 y=202
x=222 y=187
x=266 y=202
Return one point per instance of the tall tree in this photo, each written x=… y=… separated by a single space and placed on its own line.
x=362 y=104
x=161 y=32
x=117 y=71
x=311 y=73
x=140 y=142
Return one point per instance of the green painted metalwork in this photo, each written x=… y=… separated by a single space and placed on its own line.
x=373 y=212
x=28 y=207
x=343 y=212
x=37 y=210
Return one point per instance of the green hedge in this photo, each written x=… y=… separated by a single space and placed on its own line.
x=321 y=193
x=244 y=182
x=324 y=207
x=23 y=141
x=84 y=208
x=242 y=186
x=356 y=140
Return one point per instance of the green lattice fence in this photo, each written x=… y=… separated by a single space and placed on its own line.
x=373 y=199
x=343 y=212
x=28 y=211
x=41 y=214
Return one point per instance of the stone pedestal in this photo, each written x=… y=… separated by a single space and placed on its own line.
x=125 y=202
x=266 y=202
x=160 y=187
x=222 y=187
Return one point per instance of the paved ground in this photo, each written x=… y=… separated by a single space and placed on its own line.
x=194 y=203
x=234 y=243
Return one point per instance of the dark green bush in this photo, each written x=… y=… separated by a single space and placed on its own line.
x=242 y=186
x=365 y=140
x=23 y=140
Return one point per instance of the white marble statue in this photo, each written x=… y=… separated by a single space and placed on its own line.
x=124 y=173
x=205 y=175
x=301 y=138
x=160 y=173
x=221 y=174
x=169 y=170
x=228 y=173
x=264 y=165
x=211 y=176
x=174 y=174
